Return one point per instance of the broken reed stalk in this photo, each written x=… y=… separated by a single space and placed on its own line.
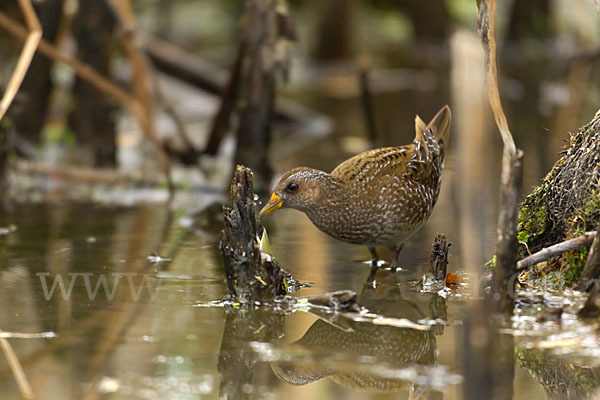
x=512 y=168
x=251 y=275
x=100 y=82
x=507 y=244
x=17 y=369
x=32 y=41
x=438 y=262
x=556 y=249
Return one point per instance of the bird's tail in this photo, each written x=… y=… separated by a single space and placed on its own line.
x=437 y=129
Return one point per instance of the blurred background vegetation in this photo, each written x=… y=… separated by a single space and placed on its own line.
x=547 y=51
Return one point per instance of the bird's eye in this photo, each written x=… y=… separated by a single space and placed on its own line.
x=291 y=187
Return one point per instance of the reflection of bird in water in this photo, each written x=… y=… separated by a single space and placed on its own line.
x=376 y=198
x=387 y=346
x=392 y=346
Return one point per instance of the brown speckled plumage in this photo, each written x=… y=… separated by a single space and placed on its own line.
x=376 y=198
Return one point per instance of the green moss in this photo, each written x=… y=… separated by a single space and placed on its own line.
x=586 y=218
x=557 y=275
x=575 y=261
x=491 y=264
x=533 y=217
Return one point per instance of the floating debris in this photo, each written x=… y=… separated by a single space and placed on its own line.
x=155 y=258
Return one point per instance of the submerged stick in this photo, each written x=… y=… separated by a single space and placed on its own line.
x=556 y=249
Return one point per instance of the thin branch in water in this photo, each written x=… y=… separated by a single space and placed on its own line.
x=556 y=249
x=17 y=369
x=31 y=44
x=18 y=335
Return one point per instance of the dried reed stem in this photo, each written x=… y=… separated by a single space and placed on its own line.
x=32 y=41
x=512 y=167
x=492 y=81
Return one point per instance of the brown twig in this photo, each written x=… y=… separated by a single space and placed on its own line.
x=31 y=43
x=17 y=369
x=556 y=249
x=101 y=82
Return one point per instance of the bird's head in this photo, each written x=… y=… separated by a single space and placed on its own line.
x=300 y=188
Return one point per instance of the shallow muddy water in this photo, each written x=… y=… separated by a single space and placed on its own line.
x=123 y=301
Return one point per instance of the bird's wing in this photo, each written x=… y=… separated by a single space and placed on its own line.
x=374 y=163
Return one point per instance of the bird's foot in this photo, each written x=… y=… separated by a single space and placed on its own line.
x=389 y=259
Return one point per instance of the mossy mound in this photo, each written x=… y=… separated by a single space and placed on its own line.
x=567 y=203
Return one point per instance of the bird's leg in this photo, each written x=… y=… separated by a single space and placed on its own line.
x=395 y=254
x=375 y=256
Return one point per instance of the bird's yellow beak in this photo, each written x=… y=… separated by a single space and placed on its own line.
x=274 y=204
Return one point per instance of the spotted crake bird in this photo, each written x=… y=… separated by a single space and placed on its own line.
x=376 y=198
